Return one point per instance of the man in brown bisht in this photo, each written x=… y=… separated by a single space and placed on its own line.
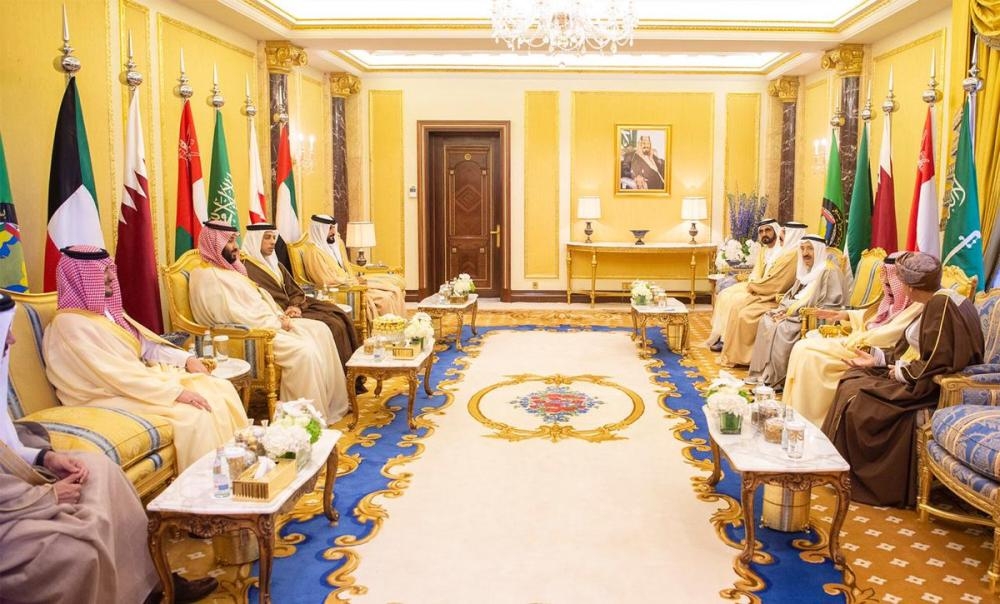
x=877 y=403
x=264 y=269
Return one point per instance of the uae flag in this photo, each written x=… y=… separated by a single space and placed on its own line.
x=963 y=235
x=13 y=275
x=859 y=220
x=221 y=193
x=286 y=212
x=135 y=255
x=73 y=216
x=257 y=199
x=833 y=198
x=884 y=218
x=192 y=208
x=922 y=232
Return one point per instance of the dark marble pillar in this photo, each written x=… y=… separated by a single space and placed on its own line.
x=277 y=91
x=786 y=182
x=850 y=90
x=339 y=138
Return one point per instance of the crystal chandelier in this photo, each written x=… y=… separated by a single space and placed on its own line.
x=569 y=26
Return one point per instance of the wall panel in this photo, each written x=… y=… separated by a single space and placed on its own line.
x=385 y=127
x=541 y=185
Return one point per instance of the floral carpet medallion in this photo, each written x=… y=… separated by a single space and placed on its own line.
x=517 y=409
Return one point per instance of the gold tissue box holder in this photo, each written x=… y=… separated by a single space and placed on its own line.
x=405 y=352
x=246 y=488
x=453 y=299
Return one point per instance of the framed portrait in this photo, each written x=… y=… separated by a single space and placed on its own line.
x=643 y=160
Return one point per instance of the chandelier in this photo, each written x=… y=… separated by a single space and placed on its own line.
x=564 y=26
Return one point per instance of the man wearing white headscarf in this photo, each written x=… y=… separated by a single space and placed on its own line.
x=304 y=349
x=326 y=263
x=818 y=283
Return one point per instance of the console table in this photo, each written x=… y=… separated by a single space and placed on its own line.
x=691 y=250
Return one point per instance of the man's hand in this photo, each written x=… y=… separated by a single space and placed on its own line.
x=194 y=365
x=831 y=315
x=64 y=466
x=862 y=359
x=190 y=397
x=294 y=312
x=286 y=322
x=68 y=489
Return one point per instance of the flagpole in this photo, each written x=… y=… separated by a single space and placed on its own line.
x=69 y=64
x=972 y=85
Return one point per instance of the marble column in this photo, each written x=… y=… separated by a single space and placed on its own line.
x=847 y=60
x=282 y=57
x=342 y=85
x=786 y=90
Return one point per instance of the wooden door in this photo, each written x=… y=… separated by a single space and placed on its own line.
x=465 y=209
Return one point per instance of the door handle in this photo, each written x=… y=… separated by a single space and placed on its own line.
x=496 y=233
x=454 y=250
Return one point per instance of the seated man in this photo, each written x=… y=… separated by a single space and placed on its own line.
x=817 y=364
x=326 y=264
x=874 y=415
x=761 y=296
x=305 y=351
x=96 y=355
x=818 y=282
x=78 y=535
x=270 y=275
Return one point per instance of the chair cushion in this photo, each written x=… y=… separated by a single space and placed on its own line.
x=971 y=434
x=985 y=487
x=125 y=437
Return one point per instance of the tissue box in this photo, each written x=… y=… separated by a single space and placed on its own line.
x=405 y=352
x=246 y=488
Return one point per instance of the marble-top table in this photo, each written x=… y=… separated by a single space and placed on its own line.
x=362 y=363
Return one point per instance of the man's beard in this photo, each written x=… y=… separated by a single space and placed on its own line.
x=331 y=239
x=108 y=293
x=767 y=239
x=230 y=256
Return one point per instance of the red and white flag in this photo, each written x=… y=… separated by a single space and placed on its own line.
x=257 y=199
x=135 y=254
x=192 y=205
x=286 y=211
x=884 y=215
x=923 y=234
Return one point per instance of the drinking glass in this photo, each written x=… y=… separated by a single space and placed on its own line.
x=378 y=352
x=220 y=344
x=796 y=430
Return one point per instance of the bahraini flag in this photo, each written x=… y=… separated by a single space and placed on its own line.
x=257 y=199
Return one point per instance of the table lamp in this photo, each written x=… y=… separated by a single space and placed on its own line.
x=694 y=209
x=588 y=208
x=361 y=235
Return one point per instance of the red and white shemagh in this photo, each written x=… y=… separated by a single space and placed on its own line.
x=210 y=244
x=893 y=299
x=80 y=284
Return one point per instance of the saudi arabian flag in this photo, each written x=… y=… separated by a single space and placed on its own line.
x=833 y=198
x=963 y=235
x=859 y=222
x=221 y=193
x=13 y=275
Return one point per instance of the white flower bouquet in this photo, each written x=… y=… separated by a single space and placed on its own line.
x=419 y=327
x=462 y=285
x=728 y=397
x=641 y=292
x=286 y=441
x=737 y=253
x=299 y=413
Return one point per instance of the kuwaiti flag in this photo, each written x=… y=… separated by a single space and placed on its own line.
x=963 y=234
x=922 y=233
x=135 y=254
x=859 y=217
x=257 y=198
x=833 y=198
x=73 y=215
x=192 y=207
x=884 y=216
x=286 y=212
x=13 y=275
x=221 y=192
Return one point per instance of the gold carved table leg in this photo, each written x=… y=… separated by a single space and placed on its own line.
x=156 y=529
x=460 y=319
x=475 y=311
x=748 y=486
x=411 y=380
x=331 y=477
x=352 y=397
x=643 y=353
x=593 y=278
x=428 y=364
x=716 y=463
x=694 y=264
x=265 y=541
x=569 y=276
x=635 y=327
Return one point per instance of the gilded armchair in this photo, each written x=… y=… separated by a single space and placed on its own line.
x=865 y=294
x=355 y=294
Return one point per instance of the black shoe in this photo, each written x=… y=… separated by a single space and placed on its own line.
x=717 y=347
x=359 y=385
x=192 y=591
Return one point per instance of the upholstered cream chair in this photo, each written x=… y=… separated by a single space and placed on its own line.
x=354 y=295
x=256 y=346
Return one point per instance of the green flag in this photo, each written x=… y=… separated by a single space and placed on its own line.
x=859 y=220
x=13 y=275
x=833 y=198
x=963 y=235
x=221 y=193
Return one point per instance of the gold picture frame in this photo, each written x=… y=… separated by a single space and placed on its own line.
x=642 y=155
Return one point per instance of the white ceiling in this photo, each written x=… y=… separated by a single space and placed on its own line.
x=760 y=37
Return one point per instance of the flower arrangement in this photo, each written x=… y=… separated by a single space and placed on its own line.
x=462 y=285
x=641 y=292
x=737 y=253
x=745 y=212
x=301 y=413
x=284 y=441
x=728 y=396
x=419 y=328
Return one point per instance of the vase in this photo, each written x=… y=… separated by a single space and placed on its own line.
x=733 y=263
x=730 y=422
x=640 y=300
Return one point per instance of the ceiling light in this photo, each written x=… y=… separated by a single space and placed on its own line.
x=564 y=26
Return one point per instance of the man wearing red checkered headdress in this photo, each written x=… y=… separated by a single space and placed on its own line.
x=220 y=292
x=97 y=355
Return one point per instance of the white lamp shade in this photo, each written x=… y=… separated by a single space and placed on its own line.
x=694 y=208
x=588 y=208
x=360 y=234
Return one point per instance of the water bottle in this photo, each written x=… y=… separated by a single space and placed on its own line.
x=222 y=484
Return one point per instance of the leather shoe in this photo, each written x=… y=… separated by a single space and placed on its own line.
x=192 y=591
x=359 y=385
x=717 y=347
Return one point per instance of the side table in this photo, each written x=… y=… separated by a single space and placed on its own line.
x=433 y=306
x=187 y=505
x=237 y=371
x=387 y=367
x=674 y=314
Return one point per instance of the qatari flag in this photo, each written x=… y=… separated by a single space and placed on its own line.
x=884 y=216
x=135 y=255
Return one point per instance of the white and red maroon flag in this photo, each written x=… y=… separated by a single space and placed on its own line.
x=884 y=215
x=922 y=235
x=257 y=199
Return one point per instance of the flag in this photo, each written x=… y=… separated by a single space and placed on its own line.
x=833 y=198
x=922 y=233
x=135 y=254
x=884 y=218
x=221 y=193
x=963 y=237
x=192 y=208
x=13 y=274
x=256 y=199
x=859 y=219
x=73 y=214
x=286 y=213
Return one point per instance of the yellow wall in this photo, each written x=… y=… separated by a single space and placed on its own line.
x=742 y=146
x=541 y=164
x=311 y=118
x=812 y=129
x=386 y=170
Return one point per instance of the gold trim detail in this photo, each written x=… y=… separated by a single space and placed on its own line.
x=167 y=75
x=922 y=40
x=344 y=84
x=847 y=59
x=282 y=56
x=785 y=89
